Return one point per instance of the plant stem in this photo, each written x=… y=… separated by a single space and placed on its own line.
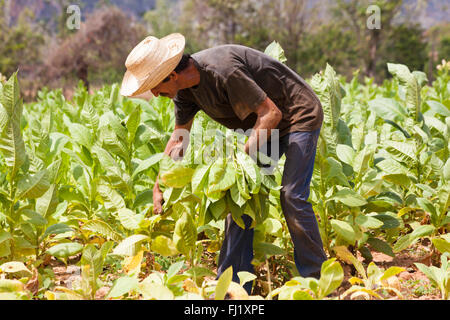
x=269 y=281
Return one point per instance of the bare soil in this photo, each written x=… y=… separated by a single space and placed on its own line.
x=412 y=283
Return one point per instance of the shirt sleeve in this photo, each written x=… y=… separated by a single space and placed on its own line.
x=185 y=109
x=244 y=93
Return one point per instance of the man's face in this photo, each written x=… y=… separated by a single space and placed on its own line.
x=167 y=89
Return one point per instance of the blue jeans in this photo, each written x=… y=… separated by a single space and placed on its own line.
x=237 y=249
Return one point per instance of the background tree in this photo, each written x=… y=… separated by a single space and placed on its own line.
x=289 y=22
x=438 y=43
x=21 y=44
x=327 y=44
x=311 y=32
x=405 y=45
x=98 y=50
x=353 y=16
x=58 y=22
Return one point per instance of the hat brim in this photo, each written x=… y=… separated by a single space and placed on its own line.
x=145 y=96
x=132 y=87
x=130 y=84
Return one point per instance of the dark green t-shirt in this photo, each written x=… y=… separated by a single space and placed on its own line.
x=234 y=80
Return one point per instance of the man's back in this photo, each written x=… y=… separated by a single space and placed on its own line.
x=235 y=79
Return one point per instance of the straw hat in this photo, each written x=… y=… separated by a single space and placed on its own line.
x=150 y=62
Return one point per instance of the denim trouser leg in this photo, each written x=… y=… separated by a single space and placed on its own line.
x=302 y=223
x=237 y=249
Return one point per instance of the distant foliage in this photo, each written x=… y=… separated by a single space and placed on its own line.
x=100 y=47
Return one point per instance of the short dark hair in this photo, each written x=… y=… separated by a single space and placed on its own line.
x=183 y=64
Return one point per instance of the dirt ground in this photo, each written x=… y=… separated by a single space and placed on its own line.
x=412 y=283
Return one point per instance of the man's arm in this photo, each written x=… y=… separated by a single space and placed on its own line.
x=269 y=116
x=174 y=149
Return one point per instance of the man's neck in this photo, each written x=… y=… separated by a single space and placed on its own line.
x=190 y=77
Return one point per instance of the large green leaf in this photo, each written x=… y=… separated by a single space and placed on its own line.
x=94 y=259
x=343 y=253
x=345 y=153
x=164 y=246
x=14 y=266
x=344 y=230
x=392 y=271
x=236 y=211
x=267 y=249
x=273 y=227
x=388 y=109
x=442 y=245
x=221 y=177
x=155 y=291
x=242 y=184
x=113 y=144
x=390 y=166
x=413 y=87
x=127 y=247
x=251 y=172
x=368 y=222
x=109 y=119
x=5 y=243
x=7 y=285
x=218 y=208
x=133 y=122
x=381 y=246
x=144 y=198
x=102 y=228
x=80 y=134
x=237 y=196
x=57 y=229
x=330 y=92
x=389 y=221
x=185 y=234
x=33 y=186
x=275 y=51
x=245 y=277
x=90 y=116
x=333 y=169
x=147 y=163
x=112 y=199
x=47 y=204
x=331 y=277
x=349 y=197
x=177 y=177
x=406 y=240
x=34 y=218
x=223 y=283
x=438 y=108
x=428 y=206
x=402 y=151
x=11 y=141
x=111 y=167
x=65 y=250
x=129 y=219
x=200 y=178
x=362 y=161
x=437 y=276
x=123 y=286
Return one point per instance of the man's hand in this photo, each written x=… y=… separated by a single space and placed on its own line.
x=174 y=149
x=158 y=199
